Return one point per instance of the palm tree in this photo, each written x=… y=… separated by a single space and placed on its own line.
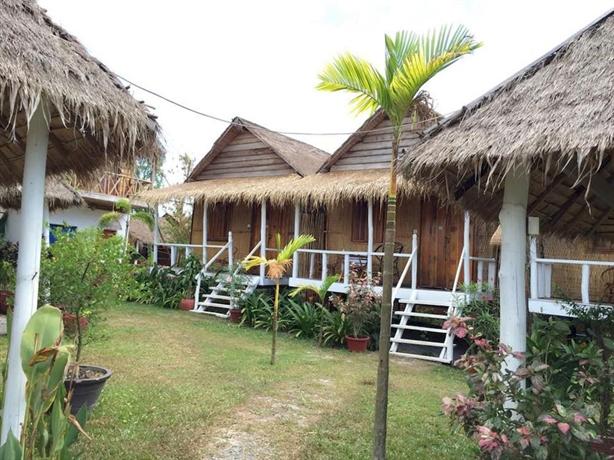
x=276 y=269
x=123 y=207
x=320 y=291
x=411 y=61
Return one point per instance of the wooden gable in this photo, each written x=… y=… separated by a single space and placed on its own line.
x=245 y=156
x=373 y=151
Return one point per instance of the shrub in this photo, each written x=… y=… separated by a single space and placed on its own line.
x=85 y=272
x=303 y=318
x=334 y=327
x=483 y=311
x=552 y=417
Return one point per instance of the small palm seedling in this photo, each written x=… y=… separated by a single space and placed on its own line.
x=275 y=270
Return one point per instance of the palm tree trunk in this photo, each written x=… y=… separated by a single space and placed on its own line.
x=381 y=396
x=275 y=315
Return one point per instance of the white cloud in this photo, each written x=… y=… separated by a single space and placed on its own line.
x=260 y=60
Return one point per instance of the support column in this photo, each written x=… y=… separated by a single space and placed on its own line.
x=156 y=235
x=205 y=230
x=467 y=253
x=513 y=218
x=262 y=238
x=46 y=224
x=28 y=267
x=370 y=239
x=297 y=232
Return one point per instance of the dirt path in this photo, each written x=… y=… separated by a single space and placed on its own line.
x=269 y=427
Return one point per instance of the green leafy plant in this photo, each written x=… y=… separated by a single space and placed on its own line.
x=545 y=409
x=48 y=429
x=276 y=268
x=84 y=273
x=121 y=208
x=304 y=318
x=320 y=291
x=334 y=327
x=7 y=276
x=361 y=305
x=234 y=281
x=483 y=311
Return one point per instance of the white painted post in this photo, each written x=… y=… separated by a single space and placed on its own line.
x=230 y=251
x=370 y=239
x=324 y=265
x=312 y=264
x=205 y=230
x=28 y=267
x=586 y=276
x=262 y=237
x=173 y=255
x=547 y=281
x=414 y=262
x=513 y=218
x=533 y=266
x=297 y=232
x=467 y=253
x=346 y=269
x=480 y=274
x=46 y=224
x=156 y=235
x=492 y=269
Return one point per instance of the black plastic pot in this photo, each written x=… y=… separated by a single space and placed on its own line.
x=87 y=391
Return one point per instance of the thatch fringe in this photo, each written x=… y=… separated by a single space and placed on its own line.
x=39 y=60
x=58 y=194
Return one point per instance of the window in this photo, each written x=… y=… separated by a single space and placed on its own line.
x=56 y=229
x=360 y=222
x=218 y=222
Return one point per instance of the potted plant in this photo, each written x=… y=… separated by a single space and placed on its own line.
x=186 y=281
x=234 y=282
x=85 y=272
x=7 y=283
x=359 y=307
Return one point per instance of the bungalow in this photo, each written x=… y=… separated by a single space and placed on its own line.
x=538 y=146
x=255 y=184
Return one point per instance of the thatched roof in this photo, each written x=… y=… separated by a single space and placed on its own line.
x=58 y=194
x=233 y=190
x=554 y=118
x=305 y=159
x=139 y=231
x=93 y=118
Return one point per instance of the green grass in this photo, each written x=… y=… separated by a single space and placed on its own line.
x=179 y=380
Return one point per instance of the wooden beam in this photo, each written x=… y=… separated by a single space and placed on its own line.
x=555 y=182
x=565 y=207
x=469 y=183
x=599 y=221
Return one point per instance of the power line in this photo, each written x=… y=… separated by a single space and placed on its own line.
x=290 y=133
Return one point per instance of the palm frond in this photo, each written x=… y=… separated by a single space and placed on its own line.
x=400 y=46
x=294 y=245
x=357 y=76
x=326 y=284
x=123 y=205
x=302 y=288
x=109 y=218
x=253 y=261
x=145 y=217
x=436 y=51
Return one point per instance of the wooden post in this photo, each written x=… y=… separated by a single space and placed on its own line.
x=586 y=276
x=297 y=232
x=28 y=268
x=346 y=269
x=324 y=265
x=480 y=274
x=156 y=234
x=492 y=269
x=173 y=255
x=370 y=239
x=414 y=262
x=513 y=218
x=230 y=251
x=312 y=264
x=467 y=253
x=205 y=230
x=262 y=238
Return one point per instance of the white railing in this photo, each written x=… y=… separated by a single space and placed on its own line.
x=459 y=267
x=412 y=262
x=349 y=257
x=188 y=249
x=485 y=262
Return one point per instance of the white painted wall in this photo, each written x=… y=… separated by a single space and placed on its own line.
x=80 y=217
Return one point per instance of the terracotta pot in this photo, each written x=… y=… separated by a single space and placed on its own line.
x=235 y=315
x=186 y=304
x=70 y=322
x=357 y=344
x=4 y=305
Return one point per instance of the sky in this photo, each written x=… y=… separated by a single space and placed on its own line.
x=260 y=59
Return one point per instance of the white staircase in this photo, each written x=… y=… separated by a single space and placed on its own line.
x=419 y=332
x=217 y=302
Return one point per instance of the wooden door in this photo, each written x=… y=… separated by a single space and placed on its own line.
x=441 y=244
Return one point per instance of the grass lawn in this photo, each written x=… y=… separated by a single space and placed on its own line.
x=189 y=386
